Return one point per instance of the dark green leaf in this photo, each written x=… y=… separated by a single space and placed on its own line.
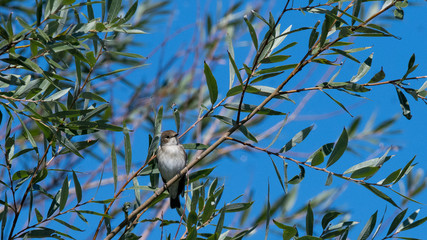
x=92 y=96
x=194 y=176
x=252 y=33
x=275 y=59
x=404 y=170
x=39 y=216
x=345 y=54
x=212 y=85
x=265 y=76
x=404 y=104
x=298 y=138
x=234 y=67
x=278 y=174
x=114 y=165
x=64 y=194
x=68 y=225
x=396 y=221
x=364 y=172
x=77 y=187
x=390 y=178
x=298 y=178
x=368 y=228
x=196 y=146
x=377 y=77
x=337 y=102
x=276 y=69
x=339 y=148
x=329 y=216
x=309 y=220
x=380 y=194
x=128 y=151
x=250 y=108
x=237 y=207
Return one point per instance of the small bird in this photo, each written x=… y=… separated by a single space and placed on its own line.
x=171 y=158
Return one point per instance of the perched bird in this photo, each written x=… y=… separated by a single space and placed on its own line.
x=171 y=158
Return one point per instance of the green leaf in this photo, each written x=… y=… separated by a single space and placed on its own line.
x=21 y=175
x=39 y=216
x=390 y=178
x=298 y=178
x=267 y=220
x=364 y=172
x=64 y=194
x=378 y=76
x=95 y=213
x=380 y=194
x=77 y=187
x=116 y=71
x=363 y=69
x=54 y=204
x=114 y=165
x=236 y=70
x=339 y=148
x=396 y=221
x=278 y=133
x=275 y=59
x=68 y=225
x=194 y=176
x=128 y=151
x=57 y=95
x=237 y=207
x=404 y=170
x=404 y=104
x=309 y=220
x=250 y=108
x=276 y=69
x=368 y=228
x=298 y=138
x=316 y=158
x=265 y=76
x=325 y=30
x=313 y=35
x=329 y=216
x=212 y=85
x=92 y=96
x=398 y=13
x=196 y=146
x=113 y=7
x=256 y=89
x=288 y=231
x=220 y=223
x=337 y=102
x=414 y=224
x=345 y=54
x=278 y=174
x=252 y=32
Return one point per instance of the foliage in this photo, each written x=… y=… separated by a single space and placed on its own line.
x=65 y=62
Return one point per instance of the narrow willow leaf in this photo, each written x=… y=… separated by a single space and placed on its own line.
x=265 y=76
x=298 y=178
x=194 y=176
x=368 y=228
x=212 y=85
x=231 y=68
x=325 y=30
x=267 y=220
x=404 y=170
x=329 y=180
x=92 y=96
x=275 y=59
x=337 y=102
x=39 y=216
x=364 y=172
x=288 y=231
x=64 y=194
x=414 y=224
x=298 y=138
x=68 y=225
x=375 y=162
x=363 y=69
x=54 y=204
x=339 y=148
x=404 y=104
x=276 y=69
x=250 y=108
x=380 y=194
x=220 y=222
x=95 y=213
x=260 y=17
x=57 y=95
x=278 y=174
x=237 y=207
x=316 y=158
x=77 y=187
x=314 y=35
x=114 y=165
x=128 y=151
x=252 y=32
x=378 y=76
x=278 y=133
x=196 y=146
x=404 y=196
x=236 y=70
x=242 y=128
x=177 y=119
x=329 y=216
x=285 y=47
x=309 y=220
x=345 y=54
x=390 y=178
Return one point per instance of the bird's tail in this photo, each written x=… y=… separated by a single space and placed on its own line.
x=175 y=203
